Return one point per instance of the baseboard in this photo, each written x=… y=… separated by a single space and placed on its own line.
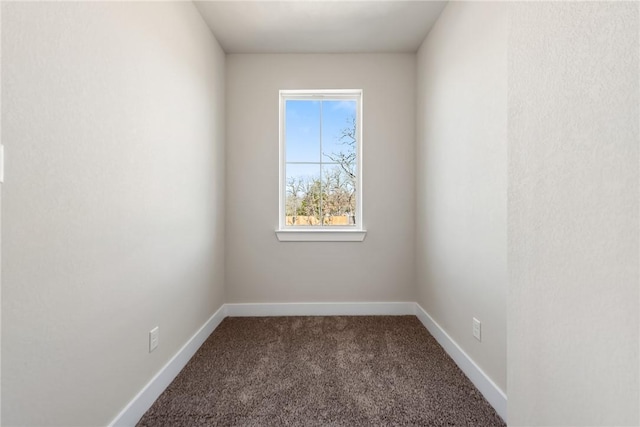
x=132 y=413
x=322 y=309
x=494 y=395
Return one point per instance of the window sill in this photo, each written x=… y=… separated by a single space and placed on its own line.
x=321 y=235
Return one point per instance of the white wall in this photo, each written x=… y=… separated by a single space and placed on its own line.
x=573 y=214
x=462 y=179
x=113 y=208
x=260 y=268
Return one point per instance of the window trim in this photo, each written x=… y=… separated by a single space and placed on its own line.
x=340 y=233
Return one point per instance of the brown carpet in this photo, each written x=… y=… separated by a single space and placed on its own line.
x=321 y=371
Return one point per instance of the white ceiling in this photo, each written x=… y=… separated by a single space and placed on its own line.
x=305 y=26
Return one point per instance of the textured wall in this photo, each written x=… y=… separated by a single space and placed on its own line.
x=573 y=214
x=462 y=179
x=112 y=210
x=262 y=269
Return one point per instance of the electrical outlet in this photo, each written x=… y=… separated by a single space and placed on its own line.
x=154 y=338
x=477 y=329
x=1 y=163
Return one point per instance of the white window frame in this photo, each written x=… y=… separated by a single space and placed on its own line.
x=332 y=233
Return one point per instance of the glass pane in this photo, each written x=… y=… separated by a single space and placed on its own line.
x=302 y=204
x=339 y=133
x=302 y=130
x=338 y=196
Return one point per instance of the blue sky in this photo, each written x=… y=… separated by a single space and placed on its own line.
x=303 y=141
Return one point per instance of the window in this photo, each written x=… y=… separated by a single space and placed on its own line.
x=321 y=166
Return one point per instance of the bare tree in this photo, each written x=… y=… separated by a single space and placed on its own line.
x=347 y=159
x=344 y=179
x=294 y=191
x=334 y=195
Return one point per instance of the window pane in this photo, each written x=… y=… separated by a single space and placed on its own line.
x=302 y=138
x=339 y=133
x=302 y=205
x=338 y=196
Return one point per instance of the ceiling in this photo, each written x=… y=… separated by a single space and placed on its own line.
x=328 y=26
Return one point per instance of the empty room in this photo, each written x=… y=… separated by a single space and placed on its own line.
x=320 y=213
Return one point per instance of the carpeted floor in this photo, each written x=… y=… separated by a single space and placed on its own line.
x=321 y=371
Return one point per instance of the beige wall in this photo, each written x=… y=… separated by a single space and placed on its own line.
x=462 y=179
x=113 y=207
x=262 y=269
x=573 y=214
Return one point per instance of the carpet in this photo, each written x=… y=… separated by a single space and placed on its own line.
x=321 y=371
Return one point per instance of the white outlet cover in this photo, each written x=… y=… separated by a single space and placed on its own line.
x=154 y=338
x=477 y=329
x=1 y=163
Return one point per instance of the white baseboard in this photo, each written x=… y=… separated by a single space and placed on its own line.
x=494 y=395
x=132 y=413
x=322 y=309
